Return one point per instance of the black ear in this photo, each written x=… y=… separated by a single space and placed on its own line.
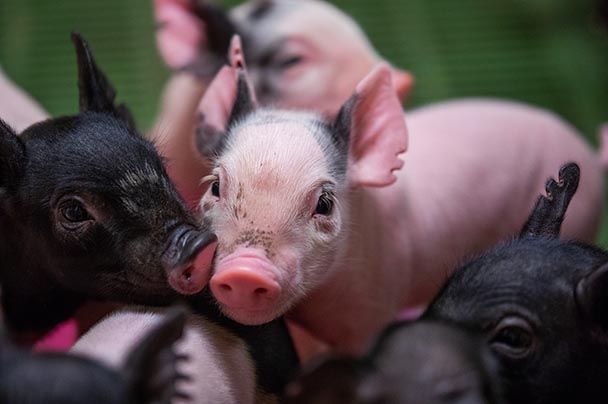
x=548 y=214
x=243 y=103
x=12 y=157
x=151 y=368
x=592 y=297
x=96 y=92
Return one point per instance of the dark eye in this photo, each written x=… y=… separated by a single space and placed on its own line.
x=513 y=337
x=215 y=188
x=289 y=62
x=325 y=205
x=74 y=212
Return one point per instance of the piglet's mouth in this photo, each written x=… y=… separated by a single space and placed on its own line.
x=192 y=278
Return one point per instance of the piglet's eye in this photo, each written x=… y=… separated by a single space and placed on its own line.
x=325 y=205
x=72 y=214
x=73 y=211
x=513 y=337
x=215 y=188
x=289 y=62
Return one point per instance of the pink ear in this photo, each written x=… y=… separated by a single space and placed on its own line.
x=378 y=132
x=180 y=35
x=217 y=103
x=219 y=98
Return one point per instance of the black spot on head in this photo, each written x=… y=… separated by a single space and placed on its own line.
x=260 y=10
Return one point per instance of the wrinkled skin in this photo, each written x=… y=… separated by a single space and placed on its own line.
x=421 y=362
x=472 y=172
x=88 y=211
x=148 y=374
x=540 y=303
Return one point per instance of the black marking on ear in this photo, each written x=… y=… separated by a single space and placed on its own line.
x=12 y=156
x=95 y=91
x=340 y=131
x=548 y=213
x=243 y=103
x=151 y=368
x=592 y=297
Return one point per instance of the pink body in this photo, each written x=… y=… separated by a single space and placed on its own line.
x=219 y=366
x=472 y=172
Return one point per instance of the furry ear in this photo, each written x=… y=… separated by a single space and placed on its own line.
x=592 y=297
x=229 y=98
x=372 y=123
x=12 y=157
x=95 y=91
x=151 y=368
x=548 y=213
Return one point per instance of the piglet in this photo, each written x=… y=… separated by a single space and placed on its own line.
x=315 y=219
x=410 y=363
x=148 y=374
x=87 y=211
x=219 y=364
x=540 y=303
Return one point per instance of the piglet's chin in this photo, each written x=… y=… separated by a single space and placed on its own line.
x=250 y=317
x=192 y=279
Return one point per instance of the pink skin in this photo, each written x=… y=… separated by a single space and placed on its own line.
x=17 y=108
x=472 y=173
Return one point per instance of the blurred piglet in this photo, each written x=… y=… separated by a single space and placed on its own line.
x=314 y=219
x=541 y=304
x=149 y=373
x=87 y=211
x=219 y=366
x=423 y=362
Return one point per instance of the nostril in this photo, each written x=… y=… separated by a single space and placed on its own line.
x=225 y=288
x=260 y=291
x=188 y=273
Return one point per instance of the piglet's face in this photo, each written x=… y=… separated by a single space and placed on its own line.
x=291 y=60
x=278 y=196
x=275 y=201
x=85 y=204
x=537 y=301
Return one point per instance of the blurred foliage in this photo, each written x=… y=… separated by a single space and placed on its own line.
x=553 y=53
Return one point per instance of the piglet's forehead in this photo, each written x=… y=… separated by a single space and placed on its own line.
x=276 y=152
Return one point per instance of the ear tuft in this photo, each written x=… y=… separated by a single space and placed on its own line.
x=549 y=212
x=12 y=156
x=592 y=297
x=373 y=119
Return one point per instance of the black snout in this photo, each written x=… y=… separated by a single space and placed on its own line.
x=185 y=244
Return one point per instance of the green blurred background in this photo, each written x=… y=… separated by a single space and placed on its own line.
x=552 y=53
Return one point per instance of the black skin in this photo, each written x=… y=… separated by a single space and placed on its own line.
x=74 y=226
x=149 y=374
x=410 y=363
x=540 y=303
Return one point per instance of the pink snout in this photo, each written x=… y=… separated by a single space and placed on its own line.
x=246 y=286
x=192 y=278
